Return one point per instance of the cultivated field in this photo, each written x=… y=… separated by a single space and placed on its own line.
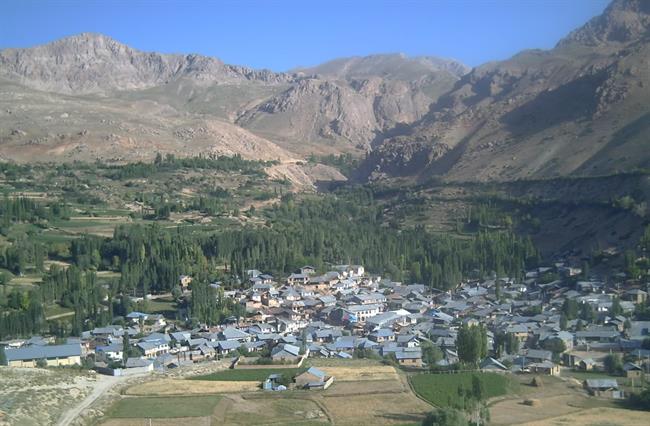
x=191 y=387
x=247 y=375
x=164 y=407
x=558 y=401
x=443 y=390
x=363 y=393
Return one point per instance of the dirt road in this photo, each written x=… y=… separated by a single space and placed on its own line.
x=104 y=383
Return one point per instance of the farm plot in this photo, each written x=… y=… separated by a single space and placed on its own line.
x=164 y=407
x=376 y=408
x=598 y=416
x=191 y=387
x=552 y=398
x=247 y=375
x=442 y=390
x=270 y=410
x=361 y=373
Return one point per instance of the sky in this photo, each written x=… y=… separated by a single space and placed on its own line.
x=281 y=35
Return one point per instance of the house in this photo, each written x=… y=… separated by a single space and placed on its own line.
x=298 y=279
x=369 y=299
x=307 y=270
x=313 y=378
x=408 y=340
x=545 y=367
x=409 y=357
x=362 y=312
x=327 y=300
x=382 y=335
x=633 y=371
x=491 y=364
x=184 y=281
x=285 y=352
x=112 y=352
x=225 y=347
x=539 y=355
x=272 y=383
x=607 y=388
x=54 y=355
x=232 y=333
x=154 y=348
x=636 y=296
x=587 y=364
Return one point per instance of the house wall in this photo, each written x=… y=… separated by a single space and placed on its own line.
x=411 y=362
x=634 y=374
x=52 y=362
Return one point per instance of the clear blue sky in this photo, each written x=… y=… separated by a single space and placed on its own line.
x=284 y=34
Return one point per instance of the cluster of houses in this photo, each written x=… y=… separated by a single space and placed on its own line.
x=345 y=312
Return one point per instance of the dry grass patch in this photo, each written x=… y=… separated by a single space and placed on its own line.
x=190 y=387
x=600 y=417
x=34 y=396
x=272 y=410
x=365 y=373
x=376 y=409
x=194 y=421
x=363 y=387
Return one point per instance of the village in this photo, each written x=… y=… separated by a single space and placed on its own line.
x=346 y=313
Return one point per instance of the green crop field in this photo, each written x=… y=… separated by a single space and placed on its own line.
x=247 y=375
x=442 y=390
x=164 y=407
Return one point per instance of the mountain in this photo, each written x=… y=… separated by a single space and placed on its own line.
x=89 y=96
x=389 y=67
x=94 y=63
x=581 y=108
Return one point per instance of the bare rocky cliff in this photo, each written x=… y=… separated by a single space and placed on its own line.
x=89 y=75
x=580 y=108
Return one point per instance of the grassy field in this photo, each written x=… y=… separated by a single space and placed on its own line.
x=442 y=389
x=164 y=407
x=247 y=375
x=57 y=311
x=165 y=307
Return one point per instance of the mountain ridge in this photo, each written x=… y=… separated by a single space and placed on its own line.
x=579 y=108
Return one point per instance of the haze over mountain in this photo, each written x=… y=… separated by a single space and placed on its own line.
x=580 y=108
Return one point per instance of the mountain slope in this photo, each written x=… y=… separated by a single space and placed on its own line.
x=299 y=114
x=580 y=108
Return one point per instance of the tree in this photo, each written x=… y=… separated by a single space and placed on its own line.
x=555 y=345
x=613 y=364
x=126 y=347
x=445 y=417
x=471 y=343
x=430 y=353
x=587 y=312
x=3 y=356
x=640 y=400
x=646 y=343
x=570 y=309
x=616 y=308
x=563 y=322
x=478 y=390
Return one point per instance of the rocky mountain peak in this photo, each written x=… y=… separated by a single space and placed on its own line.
x=623 y=21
